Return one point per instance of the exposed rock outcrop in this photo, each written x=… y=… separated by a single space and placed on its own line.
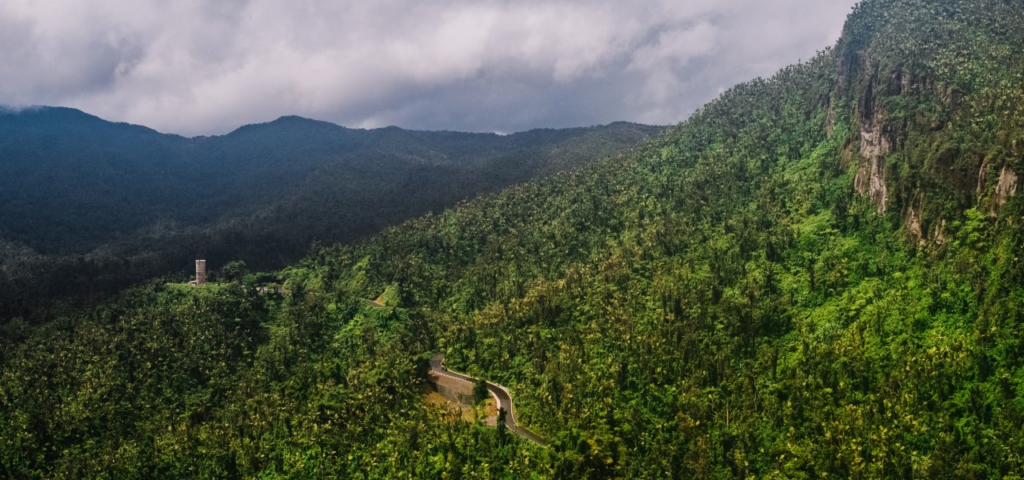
x=982 y=174
x=939 y=233
x=906 y=83
x=1006 y=188
x=912 y=222
x=870 y=178
x=930 y=233
x=950 y=96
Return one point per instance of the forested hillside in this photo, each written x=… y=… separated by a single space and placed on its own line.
x=87 y=205
x=816 y=275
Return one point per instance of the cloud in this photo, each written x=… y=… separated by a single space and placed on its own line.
x=207 y=66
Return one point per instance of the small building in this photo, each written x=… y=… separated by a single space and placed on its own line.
x=200 y=274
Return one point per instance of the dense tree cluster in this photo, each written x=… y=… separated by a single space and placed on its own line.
x=89 y=206
x=721 y=303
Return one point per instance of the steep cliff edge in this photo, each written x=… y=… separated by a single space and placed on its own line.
x=934 y=91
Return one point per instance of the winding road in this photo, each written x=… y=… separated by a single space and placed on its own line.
x=500 y=393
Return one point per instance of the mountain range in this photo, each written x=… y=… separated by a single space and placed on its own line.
x=817 y=275
x=90 y=205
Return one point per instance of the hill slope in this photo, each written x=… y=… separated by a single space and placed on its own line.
x=88 y=204
x=817 y=274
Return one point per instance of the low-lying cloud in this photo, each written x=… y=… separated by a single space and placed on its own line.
x=207 y=66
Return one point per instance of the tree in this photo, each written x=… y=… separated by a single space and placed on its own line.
x=480 y=390
x=502 y=426
x=234 y=271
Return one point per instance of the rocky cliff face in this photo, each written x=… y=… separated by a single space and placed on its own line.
x=912 y=223
x=870 y=179
x=1005 y=188
x=910 y=147
x=996 y=195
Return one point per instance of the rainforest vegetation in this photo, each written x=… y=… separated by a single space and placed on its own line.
x=816 y=275
x=89 y=206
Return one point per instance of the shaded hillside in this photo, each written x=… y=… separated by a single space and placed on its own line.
x=818 y=274
x=88 y=204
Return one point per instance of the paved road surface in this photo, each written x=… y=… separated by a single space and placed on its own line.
x=500 y=393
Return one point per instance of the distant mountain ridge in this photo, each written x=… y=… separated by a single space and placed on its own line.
x=817 y=275
x=76 y=188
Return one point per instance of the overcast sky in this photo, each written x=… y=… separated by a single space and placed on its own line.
x=199 y=67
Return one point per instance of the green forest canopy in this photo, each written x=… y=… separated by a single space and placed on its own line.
x=90 y=206
x=739 y=298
